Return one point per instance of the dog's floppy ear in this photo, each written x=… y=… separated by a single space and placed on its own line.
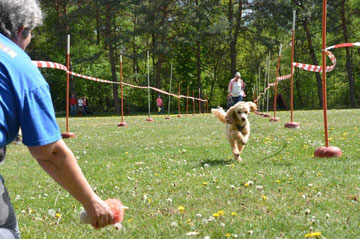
x=230 y=115
x=253 y=106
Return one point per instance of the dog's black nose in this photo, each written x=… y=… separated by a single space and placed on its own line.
x=243 y=119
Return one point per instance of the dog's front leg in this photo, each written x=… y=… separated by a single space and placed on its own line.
x=235 y=150
x=241 y=138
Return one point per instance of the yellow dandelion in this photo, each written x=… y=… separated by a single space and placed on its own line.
x=204 y=183
x=58 y=215
x=278 y=181
x=264 y=197
x=156 y=174
x=149 y=200
x=126 y=153
x=31 y=210
x=319 y=173
x=181 y=209
x=216 y=215
x=312 y=234
x=306 y=146
x=331 y=138
x=227 y=235
x=232 y=165
x=130 y=220
x=233 y=214
x=246 y=185
x=221 y=213
x=345 y=133
x=290 y=179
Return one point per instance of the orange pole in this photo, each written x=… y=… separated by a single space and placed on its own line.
x=324 y=71
x=199 y=102
x=276 y=82
x=67 y=82
x=187 y=100
x=121 y=85
x=194 y=109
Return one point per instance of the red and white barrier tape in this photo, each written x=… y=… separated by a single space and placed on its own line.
x=53 y=65
x=283 y=77
x=313 y=68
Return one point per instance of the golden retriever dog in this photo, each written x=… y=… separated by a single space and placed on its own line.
x=237 y=125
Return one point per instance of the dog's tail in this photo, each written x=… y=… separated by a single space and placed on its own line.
x=219 y=113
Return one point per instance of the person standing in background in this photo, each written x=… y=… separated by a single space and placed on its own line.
x=236 y=88
x=73 y=105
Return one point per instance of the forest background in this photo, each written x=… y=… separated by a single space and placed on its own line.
x=207 y=41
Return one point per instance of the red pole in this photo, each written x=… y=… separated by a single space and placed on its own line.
x=122 y=95
x=276 y=84
x=325 y=151
x=67 y=134
x=67 y=87
x=199 y=102
x=324 y=72
x=194 y=109
x=179 y=115
x=187 y=100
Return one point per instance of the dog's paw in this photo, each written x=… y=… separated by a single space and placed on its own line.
x=237 y=158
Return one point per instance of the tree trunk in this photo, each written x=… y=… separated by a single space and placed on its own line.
x=112 y=58
x=315 y=62
x=348 y=58
x=233 y=33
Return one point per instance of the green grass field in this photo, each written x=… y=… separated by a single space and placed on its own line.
x=278 y=191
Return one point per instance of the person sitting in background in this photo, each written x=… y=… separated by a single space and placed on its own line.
x=160 y=105
x=73 y=105
x=25 y=101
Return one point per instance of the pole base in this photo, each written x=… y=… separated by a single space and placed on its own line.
x=274 y=119
x=292 y=125
x=167 y=117
x=178 y=116
x=266 y=115
x=122 y=124
x=68 y=135
x=149 y=119
x=327 y=152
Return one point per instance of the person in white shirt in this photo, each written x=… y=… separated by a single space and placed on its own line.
x=80 y=105
x=236 y=89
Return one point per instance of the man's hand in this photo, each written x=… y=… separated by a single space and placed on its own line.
x=99 y=213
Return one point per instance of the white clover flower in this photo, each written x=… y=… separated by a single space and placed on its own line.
x=173 y=224
x=307 y=211
x=169 y=200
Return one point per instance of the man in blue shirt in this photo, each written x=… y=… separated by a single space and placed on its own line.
x=25 y=102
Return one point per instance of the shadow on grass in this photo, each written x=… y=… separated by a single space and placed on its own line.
x=215 y=162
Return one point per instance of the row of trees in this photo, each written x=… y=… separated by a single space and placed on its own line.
x=206 y=40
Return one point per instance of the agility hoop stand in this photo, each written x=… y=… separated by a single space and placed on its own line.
x=292 y=124
x=194 y=109
x=327 y=151
x=122 y=123
x=168 y=117
x=148 y=71
x=67 y=134
x=267 y=115
x=274 y=119
x=179 y=113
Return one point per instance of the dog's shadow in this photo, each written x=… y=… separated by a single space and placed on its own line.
x=215 y=162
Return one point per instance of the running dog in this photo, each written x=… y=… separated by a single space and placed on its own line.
x=237 y=125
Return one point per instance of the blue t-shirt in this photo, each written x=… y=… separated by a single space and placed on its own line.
x=25 y=99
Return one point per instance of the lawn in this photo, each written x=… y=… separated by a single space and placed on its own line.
x=177 y=177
